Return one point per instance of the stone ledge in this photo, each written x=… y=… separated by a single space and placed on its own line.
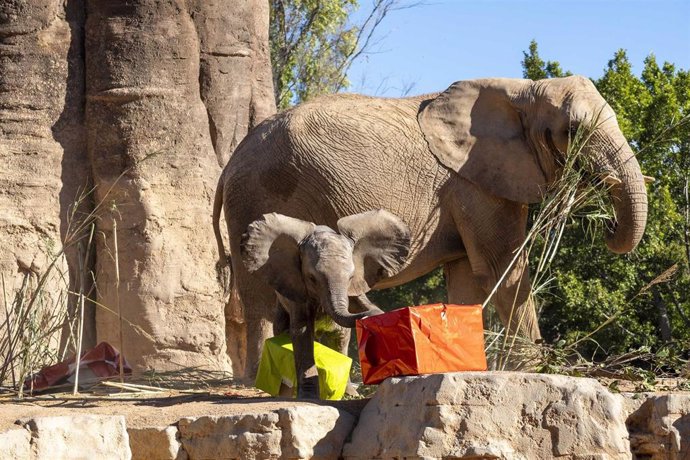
x=660 y=427
x=513 y=416
x=463 y=415
x=265 y=428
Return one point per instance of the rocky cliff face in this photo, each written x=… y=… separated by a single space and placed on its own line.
x=42 y=142
x=145 y=100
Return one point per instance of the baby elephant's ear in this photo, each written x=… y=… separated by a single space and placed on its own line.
x=270 y=248
x=382 y=243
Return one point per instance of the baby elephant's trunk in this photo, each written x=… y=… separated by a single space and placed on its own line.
x=337 y=307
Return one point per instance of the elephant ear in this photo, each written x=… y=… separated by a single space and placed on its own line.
x=381 y=245
x=270 y=248
x=475 y=129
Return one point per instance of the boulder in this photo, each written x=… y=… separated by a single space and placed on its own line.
x=15 y=444
x=79 y=436
x=295 y=432
x=491 y=415
x=250 y=436
x=660 y=427
x=161 y=443
x=314 y=431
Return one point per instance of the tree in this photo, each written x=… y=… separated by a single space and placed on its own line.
x=534 y=67
x=314 y=43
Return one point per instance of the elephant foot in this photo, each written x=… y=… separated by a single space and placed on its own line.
x=308 y=388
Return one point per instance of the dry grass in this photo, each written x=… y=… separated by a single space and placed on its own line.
x=37 y=329
x=578 y=193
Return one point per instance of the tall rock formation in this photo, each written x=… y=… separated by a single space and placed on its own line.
x=43 y=163
x=145 y=100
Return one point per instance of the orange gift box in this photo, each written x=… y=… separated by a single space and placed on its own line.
x=421 y=340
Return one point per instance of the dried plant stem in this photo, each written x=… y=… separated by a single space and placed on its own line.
x=573 y=191
x=80 y=322
x=10 y=350
x=83 y=258
x=117 y=302
x=134 y=387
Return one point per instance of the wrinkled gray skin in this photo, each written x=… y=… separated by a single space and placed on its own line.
x=459 y=168
x=312 y=269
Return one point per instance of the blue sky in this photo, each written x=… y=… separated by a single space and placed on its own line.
x=430 y=46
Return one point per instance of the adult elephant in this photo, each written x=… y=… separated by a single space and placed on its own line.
x=459 y=168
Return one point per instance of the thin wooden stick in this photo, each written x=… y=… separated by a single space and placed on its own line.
x=80 y=324
x=133 y=386
x=117 y=303
x=77 y=357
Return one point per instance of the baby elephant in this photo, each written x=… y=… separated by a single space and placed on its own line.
x=319 y=273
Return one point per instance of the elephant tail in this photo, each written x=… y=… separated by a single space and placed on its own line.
x=224 y=265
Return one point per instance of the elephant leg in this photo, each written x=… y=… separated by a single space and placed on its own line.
x=338 y=338
x=514 y=304
x=302 y=335
x=462 y=286
x=281 y=324
x=281 y=321
x=492 y=230
x=258 y=301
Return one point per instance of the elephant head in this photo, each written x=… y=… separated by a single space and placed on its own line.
x=305 y=262
x=509 y=137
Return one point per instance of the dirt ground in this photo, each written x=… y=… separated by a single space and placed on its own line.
x=145 y=409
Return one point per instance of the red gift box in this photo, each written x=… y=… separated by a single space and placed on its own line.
x=421 y=340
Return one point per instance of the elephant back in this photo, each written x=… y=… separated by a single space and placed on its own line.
x=337 y=156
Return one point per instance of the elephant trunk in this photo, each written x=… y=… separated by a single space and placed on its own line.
x=336 y=305
x=629 y=200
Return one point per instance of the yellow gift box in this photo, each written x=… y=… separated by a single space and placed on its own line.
x=278 y=365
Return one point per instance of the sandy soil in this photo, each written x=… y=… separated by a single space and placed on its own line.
x=155 y=409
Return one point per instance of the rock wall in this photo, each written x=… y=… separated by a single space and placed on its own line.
x=42 y=143
x=145 y=100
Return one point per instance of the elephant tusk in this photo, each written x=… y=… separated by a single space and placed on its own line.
x=648 y=179
x=610 y=179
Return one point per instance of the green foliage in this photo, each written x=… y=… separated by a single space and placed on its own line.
x=534 y=67
x=590 y=285
x=428 y=289
x=311 y=43
x=314 y=43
